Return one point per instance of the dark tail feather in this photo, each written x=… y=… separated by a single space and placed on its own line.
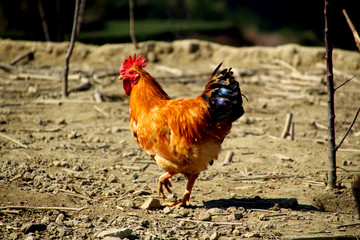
x=224 y=96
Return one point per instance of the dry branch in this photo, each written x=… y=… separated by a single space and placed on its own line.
x=28 y=54
x=13 y=140
x=349 y=129
x=43 y=208
x=330 y=93
x=228 y=158
x=355 y=187
x=353 y=29
x=43 y=21
x=267 y=177
x=212 y=222
x=132 y=31
x=69 y=52
x=286 y=130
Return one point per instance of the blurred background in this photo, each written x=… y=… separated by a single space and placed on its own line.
x=232 y=22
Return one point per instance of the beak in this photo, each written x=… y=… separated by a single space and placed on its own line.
x=121 y=77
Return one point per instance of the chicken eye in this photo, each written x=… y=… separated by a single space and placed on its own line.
x=131 y=72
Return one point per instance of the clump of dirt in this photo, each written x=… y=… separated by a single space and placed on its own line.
x=71 y=170
x=338 y=201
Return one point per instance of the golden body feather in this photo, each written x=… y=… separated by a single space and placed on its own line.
x=177 y=133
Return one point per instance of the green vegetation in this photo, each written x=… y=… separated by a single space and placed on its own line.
x=147 y=29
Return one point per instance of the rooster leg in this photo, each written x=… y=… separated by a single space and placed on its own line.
x=185 y=201
x=190 y=184
x=164 y=181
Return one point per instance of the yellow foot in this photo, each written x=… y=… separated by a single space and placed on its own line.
x=176 y=204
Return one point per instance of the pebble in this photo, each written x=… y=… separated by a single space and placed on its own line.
x=151 y=203
x=251 y=234
x=59 y=219
x=113 y=179
x=235 y=216
x=60 y=121
x=115 y=232
x=214 y=236
x=167 y=210
x=214 y=211
x=263 y=217
x=204 y=216
x=73 y=135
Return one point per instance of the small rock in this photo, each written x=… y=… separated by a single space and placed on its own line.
x=56 y=163
x=214 y=236
x=115 y=130
x=73 y=135
x=30 y=237
x=251 y=234
x=263 y=217
x=115 y=232
x=59 y=219
x=77 y=168
x=235 y=216
x=32 y=89
x=60 y=121
x=113 y=179
x=45 y=220
x=32 y=227
x=145 y=223
x=213 y=211
x=151 y=203
x=204 y=216
x=128 y=204
x=167 y=210
x=111 y=238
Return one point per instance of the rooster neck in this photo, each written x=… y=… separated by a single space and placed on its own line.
x=147 y=94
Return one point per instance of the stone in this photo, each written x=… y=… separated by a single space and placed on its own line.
x=115 y=232
x=151 y=203
x=204 y=216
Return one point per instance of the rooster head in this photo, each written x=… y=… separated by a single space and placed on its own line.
x=128 y=72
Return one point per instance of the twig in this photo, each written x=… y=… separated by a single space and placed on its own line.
x=81 y=16
x=132 y=32
x=349 y=129
x=85 y=85
x=228 y=158
x=355 y=187
x=348 y=225
x=292 y=131
x=265 y=177
x=287 y=126
x=330 y=92
x=353 y=30
x=26 y=76
x=344 y=83
x=286 y=65
x=101 y=111
x=10 y=211
x=219 y=223
x=334 y=237
x=14 y=141
x=43 y=21
x=44 y=208
x=28 y=54
x=70 y=50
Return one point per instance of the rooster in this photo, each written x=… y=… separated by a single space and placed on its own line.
x=182 y=135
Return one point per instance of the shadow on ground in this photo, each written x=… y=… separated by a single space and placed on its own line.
x=258 y=203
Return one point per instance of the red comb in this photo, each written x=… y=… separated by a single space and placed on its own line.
x=130 y=62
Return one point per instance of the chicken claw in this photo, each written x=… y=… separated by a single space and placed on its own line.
x=164 y=181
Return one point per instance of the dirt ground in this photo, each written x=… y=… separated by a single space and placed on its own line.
x=70 y=169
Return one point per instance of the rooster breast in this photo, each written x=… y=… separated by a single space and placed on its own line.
x=178 y=134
